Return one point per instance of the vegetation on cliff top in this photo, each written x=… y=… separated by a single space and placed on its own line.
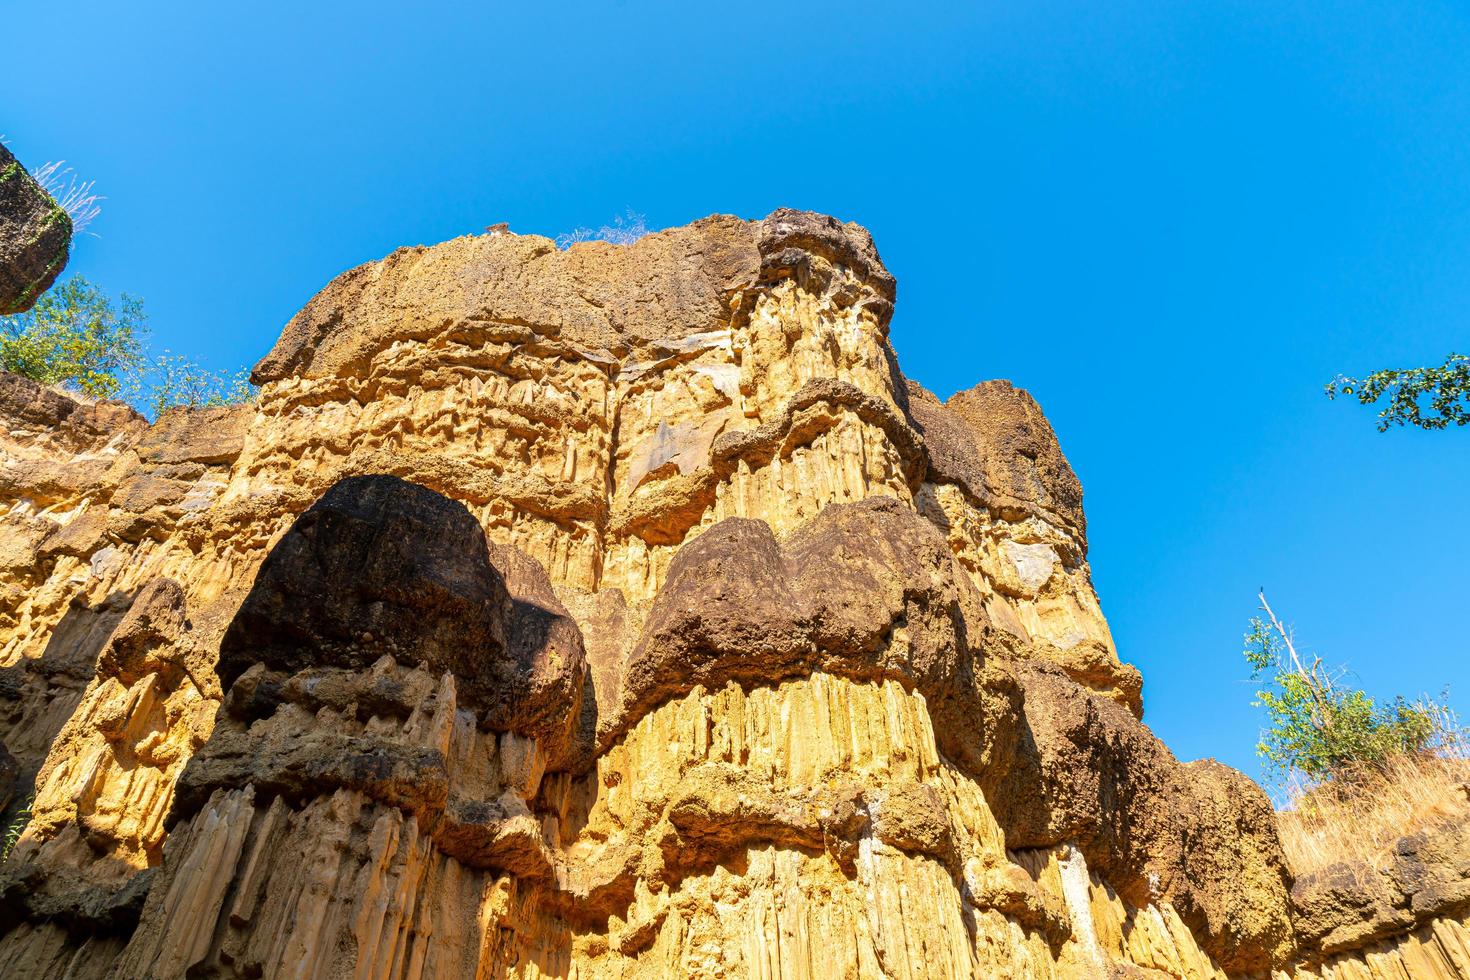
x=1322 y=728
x=1360 y=823
x=1355 y=776
x=80 y=339
x=73 y=196
x=624 y=230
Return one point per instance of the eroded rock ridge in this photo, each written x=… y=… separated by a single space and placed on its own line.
x=611 y=612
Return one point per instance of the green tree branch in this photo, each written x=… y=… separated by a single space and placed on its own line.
x=1447 y=389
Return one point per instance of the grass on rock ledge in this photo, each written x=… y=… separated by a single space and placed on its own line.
x=1359 y=820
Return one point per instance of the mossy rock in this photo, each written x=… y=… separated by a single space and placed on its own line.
x=35 y=237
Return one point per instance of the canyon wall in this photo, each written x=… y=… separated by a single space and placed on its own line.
x=611 y=612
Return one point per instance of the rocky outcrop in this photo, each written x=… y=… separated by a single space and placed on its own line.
x=35 y=237
x=384 y=568
x=618 y=611
x=1408 y=914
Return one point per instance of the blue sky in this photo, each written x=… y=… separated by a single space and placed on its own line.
x=1171 y=221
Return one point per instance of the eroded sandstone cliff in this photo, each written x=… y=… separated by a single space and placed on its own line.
x=611 y=612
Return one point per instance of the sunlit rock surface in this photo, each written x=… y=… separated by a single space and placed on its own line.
x=614 y=612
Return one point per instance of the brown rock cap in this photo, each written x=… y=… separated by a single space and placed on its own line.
x=35 y=237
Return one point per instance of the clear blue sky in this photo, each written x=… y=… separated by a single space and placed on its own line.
x=1171 y=221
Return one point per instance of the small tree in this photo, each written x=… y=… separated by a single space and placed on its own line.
x=1320 y=728
x=1447 y=387
x=76 y=336
x=176 y=380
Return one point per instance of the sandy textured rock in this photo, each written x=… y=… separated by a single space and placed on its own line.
x=611 y=612
x=999 y=486
x=35 y=237
x=1346 y=907
x=865 y=591
x=1081 y=770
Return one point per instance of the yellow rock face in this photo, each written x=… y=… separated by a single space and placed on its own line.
x=774 y=665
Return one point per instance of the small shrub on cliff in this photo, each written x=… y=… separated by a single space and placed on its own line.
x=176 y=380
x=1323 y=729
x=16 y=827
x=1355 y=776
x=76 y=336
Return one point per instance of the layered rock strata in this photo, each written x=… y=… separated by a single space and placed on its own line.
x=618 y=611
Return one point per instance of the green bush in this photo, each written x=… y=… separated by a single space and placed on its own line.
x=1321 y=728
x=77 y=337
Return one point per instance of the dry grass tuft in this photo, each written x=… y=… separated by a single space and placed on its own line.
x=1359 y=820
x=624 y=230
x=74 y=393
x=75 y=198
